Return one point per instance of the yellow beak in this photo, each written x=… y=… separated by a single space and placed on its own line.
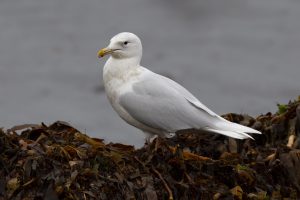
x=104 y=52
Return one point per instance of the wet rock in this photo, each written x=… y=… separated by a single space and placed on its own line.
x=298 y=120
x=291 y=163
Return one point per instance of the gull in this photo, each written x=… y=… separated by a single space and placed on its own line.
x=153 y=103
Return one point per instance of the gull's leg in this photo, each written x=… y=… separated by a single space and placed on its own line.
x=170 y=135
x=149 y=137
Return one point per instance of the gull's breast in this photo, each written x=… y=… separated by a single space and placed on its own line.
x=115 y=86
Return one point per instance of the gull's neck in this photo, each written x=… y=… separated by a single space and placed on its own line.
x=120 y=67
x=125 y=62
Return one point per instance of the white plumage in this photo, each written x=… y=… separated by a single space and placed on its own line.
x=154 y=103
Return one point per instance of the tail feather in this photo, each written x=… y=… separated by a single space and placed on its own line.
x=233 y=130
x=233 y=134
x=227 y=125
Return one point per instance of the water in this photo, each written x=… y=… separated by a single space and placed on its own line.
x=236 y=56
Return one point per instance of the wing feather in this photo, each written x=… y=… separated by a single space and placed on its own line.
x=161 y=103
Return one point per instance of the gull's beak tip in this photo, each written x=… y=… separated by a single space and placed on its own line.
x=101 y=53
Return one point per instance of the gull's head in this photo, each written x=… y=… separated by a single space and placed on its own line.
x=123 y=45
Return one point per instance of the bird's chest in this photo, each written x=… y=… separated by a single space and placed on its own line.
x=118 y=79
x=116 y=83
x=114 y=88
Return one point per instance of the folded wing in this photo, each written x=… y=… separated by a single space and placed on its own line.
x=163 y=104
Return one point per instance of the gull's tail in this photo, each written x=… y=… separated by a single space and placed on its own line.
x=233 y=130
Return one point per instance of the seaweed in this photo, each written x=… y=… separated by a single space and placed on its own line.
x=59 y=162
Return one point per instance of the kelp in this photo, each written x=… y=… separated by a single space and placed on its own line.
x=59 y=162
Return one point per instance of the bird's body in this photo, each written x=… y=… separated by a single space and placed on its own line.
x=154 y=103
x=117 y=83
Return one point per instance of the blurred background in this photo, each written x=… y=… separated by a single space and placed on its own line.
x=235 y=56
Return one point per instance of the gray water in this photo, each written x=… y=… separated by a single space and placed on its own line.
x=235 y=56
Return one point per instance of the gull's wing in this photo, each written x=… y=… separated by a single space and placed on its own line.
x=161 y=103
x=188 y=96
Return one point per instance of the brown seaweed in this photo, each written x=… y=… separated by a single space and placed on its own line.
x=59 y=162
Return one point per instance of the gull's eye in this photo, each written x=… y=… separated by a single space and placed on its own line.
x=125 y=43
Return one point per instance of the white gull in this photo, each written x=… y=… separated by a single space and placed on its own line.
x=153 y=103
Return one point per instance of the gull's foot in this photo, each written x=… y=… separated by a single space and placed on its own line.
x=149 y=139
